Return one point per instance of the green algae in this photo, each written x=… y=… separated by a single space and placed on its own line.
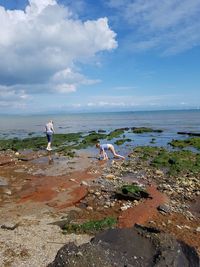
x=114 y=134
x=37 y=143
x=178 y=162
x=190 y=142
x=147 y=152
x=131 y=191
x=122 y=141
x=90 y=227
x=16 y=144
x=130 y=188
x=89 y=140
x=174 y=162
x=139 y=130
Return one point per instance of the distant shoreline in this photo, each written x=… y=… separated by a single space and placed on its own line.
x=98 y=112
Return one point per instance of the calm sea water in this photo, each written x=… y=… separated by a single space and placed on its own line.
x=169 y=121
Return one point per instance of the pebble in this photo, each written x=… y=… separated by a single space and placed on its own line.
x=84 y=183
x=80 y=254
x=198 y=229
x=159 y=172
x=164 y=208
x=110 y=176
x=89 y=208
x=72 y=180
x=8 y=192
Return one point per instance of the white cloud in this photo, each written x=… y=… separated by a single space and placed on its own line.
x=67 y=81
x=172 y=25
x=10 y=98
x=40 y=47
x=129 y=101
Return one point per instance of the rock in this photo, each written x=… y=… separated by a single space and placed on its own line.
x=80 y=254
x=159 y=172
x=108 y=203
x=198 y=229
x=128 y=247
x=125 y=207
x=72 y=180
x=8 y=192
x=110 y=176
x=84 y=183
x=164 y=208
x=89 y=208
x=9 y=226
x=91 y=191
x=187 y=227
x=3 y=181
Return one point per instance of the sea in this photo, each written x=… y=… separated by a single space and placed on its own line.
x=170 y=121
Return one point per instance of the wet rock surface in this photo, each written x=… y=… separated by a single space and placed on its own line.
x=138 y=247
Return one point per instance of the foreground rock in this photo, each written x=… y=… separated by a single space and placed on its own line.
x=136 y=246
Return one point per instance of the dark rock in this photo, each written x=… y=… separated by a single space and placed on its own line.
x=9 y=226
x=131 y=192
x=189 y=133
x=163 y=208
x=136 y=247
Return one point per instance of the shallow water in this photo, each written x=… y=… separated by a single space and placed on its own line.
x=168 y=121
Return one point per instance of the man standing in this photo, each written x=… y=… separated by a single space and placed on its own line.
x=49 y=132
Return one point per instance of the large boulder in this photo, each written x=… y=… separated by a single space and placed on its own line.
x=136 y=247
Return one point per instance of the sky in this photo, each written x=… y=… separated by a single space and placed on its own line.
x=60 y=56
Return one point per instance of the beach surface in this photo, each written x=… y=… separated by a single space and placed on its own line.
x=41 y=192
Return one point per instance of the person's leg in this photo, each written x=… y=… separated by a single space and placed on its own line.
x=49 y=138
x=112 y=149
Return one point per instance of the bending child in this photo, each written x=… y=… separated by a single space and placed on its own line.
x=105 y=147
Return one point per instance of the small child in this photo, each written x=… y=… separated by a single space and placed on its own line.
x=110 y=147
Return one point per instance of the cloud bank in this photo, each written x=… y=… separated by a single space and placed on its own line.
x=169 y=25
x=41 y=46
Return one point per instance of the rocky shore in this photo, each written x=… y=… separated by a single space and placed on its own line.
x=48 y=200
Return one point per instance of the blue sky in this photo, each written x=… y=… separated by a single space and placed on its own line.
x=84 y=55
